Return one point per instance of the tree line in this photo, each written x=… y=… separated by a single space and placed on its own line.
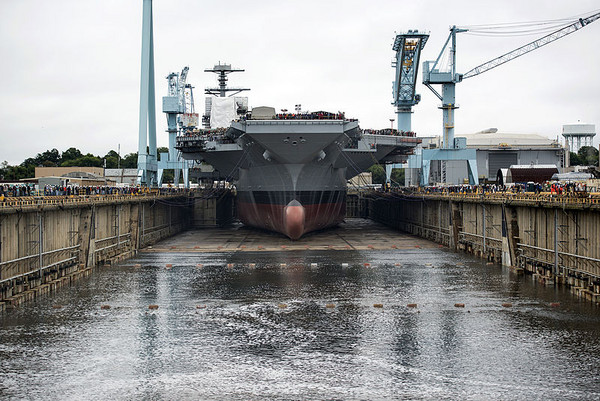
x=586 y=156
x=69 y=158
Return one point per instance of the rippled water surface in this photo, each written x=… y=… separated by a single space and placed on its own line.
x=265 y=331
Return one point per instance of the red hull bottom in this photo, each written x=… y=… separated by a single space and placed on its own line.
x=293 y=219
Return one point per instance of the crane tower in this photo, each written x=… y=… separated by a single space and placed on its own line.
x=408 y=47
x=175 y=105
x=434 y=73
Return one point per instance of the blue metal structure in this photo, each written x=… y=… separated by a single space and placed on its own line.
x=147 y=161
x=408 y=47
x=448 y=78
x=173 y=105
x=433 y=73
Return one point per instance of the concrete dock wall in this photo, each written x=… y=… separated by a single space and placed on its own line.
x=556 y=239
x=47 y=243
x=357 y=205
x=212 y=208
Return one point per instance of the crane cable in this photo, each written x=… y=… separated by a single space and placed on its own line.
x=523 y=28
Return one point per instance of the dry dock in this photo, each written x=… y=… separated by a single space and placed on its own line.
x=46 y=243
x=556 y=238
x=353 y=234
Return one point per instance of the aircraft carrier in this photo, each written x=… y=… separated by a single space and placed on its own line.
x=291 y=170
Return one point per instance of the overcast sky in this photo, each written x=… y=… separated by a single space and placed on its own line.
x=70 y=69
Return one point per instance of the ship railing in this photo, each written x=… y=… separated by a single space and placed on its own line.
x=195 y=140
x=319 y=115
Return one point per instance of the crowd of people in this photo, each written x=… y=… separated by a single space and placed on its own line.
x=319 y=115
x=389 y=131
x=68 y=190
x=7 y=190
x=553 y=188
x=20 y=190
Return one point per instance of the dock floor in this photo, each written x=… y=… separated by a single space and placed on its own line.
x=353 y=234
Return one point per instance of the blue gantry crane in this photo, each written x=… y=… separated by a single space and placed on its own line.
x=451 y=149
x=175 y=105
x=446 y=76
x=408 y=47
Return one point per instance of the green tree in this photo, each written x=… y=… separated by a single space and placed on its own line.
x=88 y=160
x=49 y=158
x=574 y=159
x=30 y=161
x=169 y=176
x=4 y=169
x=70 y=154
x=112 y=159
x=588 y=155
x=378 y=174
x=15 y=173
x=112 y=162
x=130 y=160
x=397 y=177
x=112 y=153
x=159 y=150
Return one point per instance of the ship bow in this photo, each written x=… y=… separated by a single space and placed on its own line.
x=294 y=219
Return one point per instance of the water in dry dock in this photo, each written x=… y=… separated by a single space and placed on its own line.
x=256 y=324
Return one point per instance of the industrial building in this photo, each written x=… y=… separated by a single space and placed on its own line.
x=495 y=150
x=122 y=176
x=84 y=176
x=76 y=175
x=70 y=172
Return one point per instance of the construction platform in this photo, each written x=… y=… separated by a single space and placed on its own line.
x=353 y=234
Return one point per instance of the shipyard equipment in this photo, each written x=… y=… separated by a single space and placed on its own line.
x=179 y=108
x=408 y=47
x=446 y=76
x=147 y=161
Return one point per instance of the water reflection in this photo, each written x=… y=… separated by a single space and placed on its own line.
x=256 y=325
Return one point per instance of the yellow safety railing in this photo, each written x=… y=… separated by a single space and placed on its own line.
x=576 y=198
x=30 y=201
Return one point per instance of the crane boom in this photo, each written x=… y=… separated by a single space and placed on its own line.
x=532 y=46
x=183 y=76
